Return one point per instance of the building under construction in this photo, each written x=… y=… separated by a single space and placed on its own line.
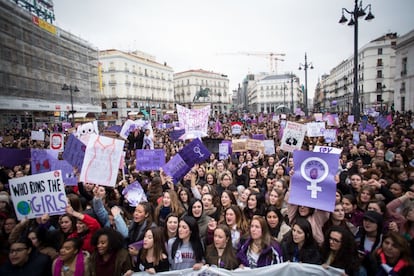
x=37 y=60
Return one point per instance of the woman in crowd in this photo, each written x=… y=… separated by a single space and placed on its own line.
x=168 y=204
x=210 y=209
x=337 y=218
x=234 y=219
x=86 y=226
x=153 y=257
x=227 y=199
x=72 y=260
x=352 y=214
x=171 y=226
x=339 y=250
x=186 y=250
x=196 y=211
x=277 y=226
x=142 y=220
x=109 y=257
x=67 y=226
x=392 y=258
x=401 y=211
x=221 y=253
x=255 y=206
x=260 y=249
x=369 y=236
x=299 y=245
x=25 y=260
x=184 y=197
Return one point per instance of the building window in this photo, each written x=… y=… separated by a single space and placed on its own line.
x=114 y=105
x=402 y=103
x=135 y=105
x=404 y=67
x=128 y=104
x=379 y=74
x=379 y=86
x=379 y=51
x=103 y=105
x=379 y=62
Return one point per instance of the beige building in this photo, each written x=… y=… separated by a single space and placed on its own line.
x=188 y=84
x=135 y=82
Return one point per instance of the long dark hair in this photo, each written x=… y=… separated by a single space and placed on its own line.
x=115 y=239
x=194 y=239
x=274 y=231
x=228 y=257
x=158 y=246
x=346 y=257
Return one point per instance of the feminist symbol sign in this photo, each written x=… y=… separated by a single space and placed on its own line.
x=197 y=150
x=314 y=170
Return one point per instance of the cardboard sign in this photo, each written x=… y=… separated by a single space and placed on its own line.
x=38 y=194
x=238 y=145
x=255 y=145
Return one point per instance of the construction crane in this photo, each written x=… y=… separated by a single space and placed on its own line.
x=271 y=56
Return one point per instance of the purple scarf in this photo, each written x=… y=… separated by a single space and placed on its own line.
x=79 y=267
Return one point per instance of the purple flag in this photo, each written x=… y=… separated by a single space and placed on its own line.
x=194 y=153
x=68 y=176
x=41 y=160
x=383 y=122
x=313 y=183
x=217 y=127
x=366 y=127
x=149 y=160
x=12 y=157
x=74 y=152
x=176 y=168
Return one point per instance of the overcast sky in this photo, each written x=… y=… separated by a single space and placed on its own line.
x=194 y=34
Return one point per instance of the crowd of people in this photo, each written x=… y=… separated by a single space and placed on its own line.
x=231 y=213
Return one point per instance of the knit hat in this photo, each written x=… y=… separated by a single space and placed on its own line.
x=4 y=197
x=373 y=216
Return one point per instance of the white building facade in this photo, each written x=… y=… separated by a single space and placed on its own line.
x=187 y=85
x=376 y=71
x=404 y=73
x=274 y=93
x=135 y=82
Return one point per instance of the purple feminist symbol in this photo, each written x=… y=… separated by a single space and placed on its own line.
x=314 y=170
x=197 y=150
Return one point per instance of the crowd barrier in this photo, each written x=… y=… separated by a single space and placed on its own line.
x=288 y=268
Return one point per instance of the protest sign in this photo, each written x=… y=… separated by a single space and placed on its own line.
x=176 y=168
x=223 y=151
x=38 y=194
x=318 y=117
x=134 y=194
x=315 y=129
x=269 y=147
x=293 y=135
x=194 y=121
x=313 y=183
x=255 y=145
x=37 y=135
x=236 y=128
x=41 y=160
x=259 y=136
x=74 y=152
x=323 y=149
x=238 y=145
x=57 y=141
x=128 y=127
x=150 y=160
x=102 y=159
x=355 y=137
x=68 y=175
x=329 y=135
x=351 y=119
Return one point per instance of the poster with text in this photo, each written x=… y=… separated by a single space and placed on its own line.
x=293 y=135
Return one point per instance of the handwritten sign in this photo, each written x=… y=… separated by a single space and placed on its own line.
x=150 y=160
x=269 y=147
x=102 y=159
x=293 y=135
x=238 y=145
x=315 y=129
x=74 y=152
x=223 y=151
x=255 y=145
x=329 y=135
x=68 y=175
x=38 y=194
x=41 y=160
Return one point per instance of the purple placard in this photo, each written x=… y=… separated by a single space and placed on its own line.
x=366 y=127
x=13 y=157
x=313 y=183
x=68 y=175
x=41 y=160
x=150 y=160
x=176 y=134
x=194 y=153
x=74 y=152
x=134 y=194
x=383 y=122
x=228 y=142
x=258 y=136
x=176 y=168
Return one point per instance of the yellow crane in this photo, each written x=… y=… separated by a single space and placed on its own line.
x=273 y=57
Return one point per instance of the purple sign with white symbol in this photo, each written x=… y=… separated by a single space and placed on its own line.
x=194 y=153
x=313 y=183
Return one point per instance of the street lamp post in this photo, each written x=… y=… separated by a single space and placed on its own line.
x=291 y=90
x=355 y=14
x=72 y=89
x=305 y=95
